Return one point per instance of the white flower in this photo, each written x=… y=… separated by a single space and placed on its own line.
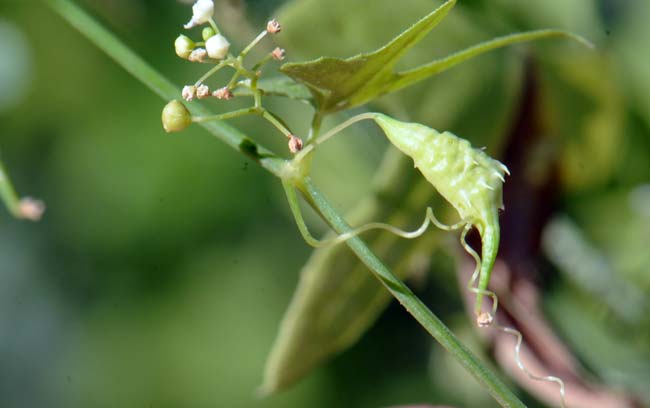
x=202 y=11
x=217 y=46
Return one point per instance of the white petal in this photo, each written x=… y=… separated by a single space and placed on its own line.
x=202 y=11
x=217 y=46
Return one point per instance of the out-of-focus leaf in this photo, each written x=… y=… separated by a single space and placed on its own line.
x=617 y=224
x=586 y=114
x=611 y=353
x=338 y=84
x=278 y=86
x=584 y=265
x=345 y=83
x=337 y=299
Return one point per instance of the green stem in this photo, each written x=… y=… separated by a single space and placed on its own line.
x=262 y=62
x=8 y=193
x=213 y=71
x=410 y=301
x=275 y=121
x=253 y=44
x=214 y=26
x=316 y=123
x=224 y=116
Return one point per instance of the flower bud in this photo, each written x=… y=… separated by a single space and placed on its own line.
x=189 y=92
x=202 y=92
x=198 y=55
x=278 y=54
x=273 y=27
x=31 y=209
x=175 y=117
x=184 y=46
x=223 y=93
x=295 y=144
x=207 y=33
x=217 y=46
x=202 y=11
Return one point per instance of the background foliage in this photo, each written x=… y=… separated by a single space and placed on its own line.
x=164 y=263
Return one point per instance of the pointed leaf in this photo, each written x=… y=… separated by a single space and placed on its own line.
x=337 y=83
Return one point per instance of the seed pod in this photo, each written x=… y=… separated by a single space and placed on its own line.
x=175 y=117
x=469 y=179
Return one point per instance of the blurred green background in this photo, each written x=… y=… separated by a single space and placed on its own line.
x=163 y=265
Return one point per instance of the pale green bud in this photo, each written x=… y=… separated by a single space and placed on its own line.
x=184 y=46
x=175 y=117
x=207 y=33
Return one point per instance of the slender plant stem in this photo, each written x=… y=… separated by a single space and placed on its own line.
x=253 y=44
x=214 y=26
x=224 y=116
x=212 y=71
x=7 y=192
x=234 y=138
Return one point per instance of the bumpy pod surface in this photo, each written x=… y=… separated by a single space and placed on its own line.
x=469 y=179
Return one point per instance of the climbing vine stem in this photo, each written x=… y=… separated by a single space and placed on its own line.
x=278 y=167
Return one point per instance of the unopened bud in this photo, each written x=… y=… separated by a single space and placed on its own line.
x=278 y=54
x=31 y=209
x=295 y=144
x=207 y=33
x=198 y=55
x=175 y=117
x=273 y=27
x=202 y=11
x=183 y=46
x=217 y=46
x=189 y=92
x=223 y=93
x=485 y=319
x=202 y=92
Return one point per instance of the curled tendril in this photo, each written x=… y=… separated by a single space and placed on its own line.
x=484 y=321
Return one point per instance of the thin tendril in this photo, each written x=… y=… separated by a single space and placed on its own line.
x=522 y=367
x=509 y=330
x=429 y=218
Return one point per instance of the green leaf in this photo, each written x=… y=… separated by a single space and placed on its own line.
x=337 y=300
x=337 y=84
x=345 y=83
x=278 y=86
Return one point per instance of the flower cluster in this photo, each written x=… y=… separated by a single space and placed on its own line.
x=214 y=48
